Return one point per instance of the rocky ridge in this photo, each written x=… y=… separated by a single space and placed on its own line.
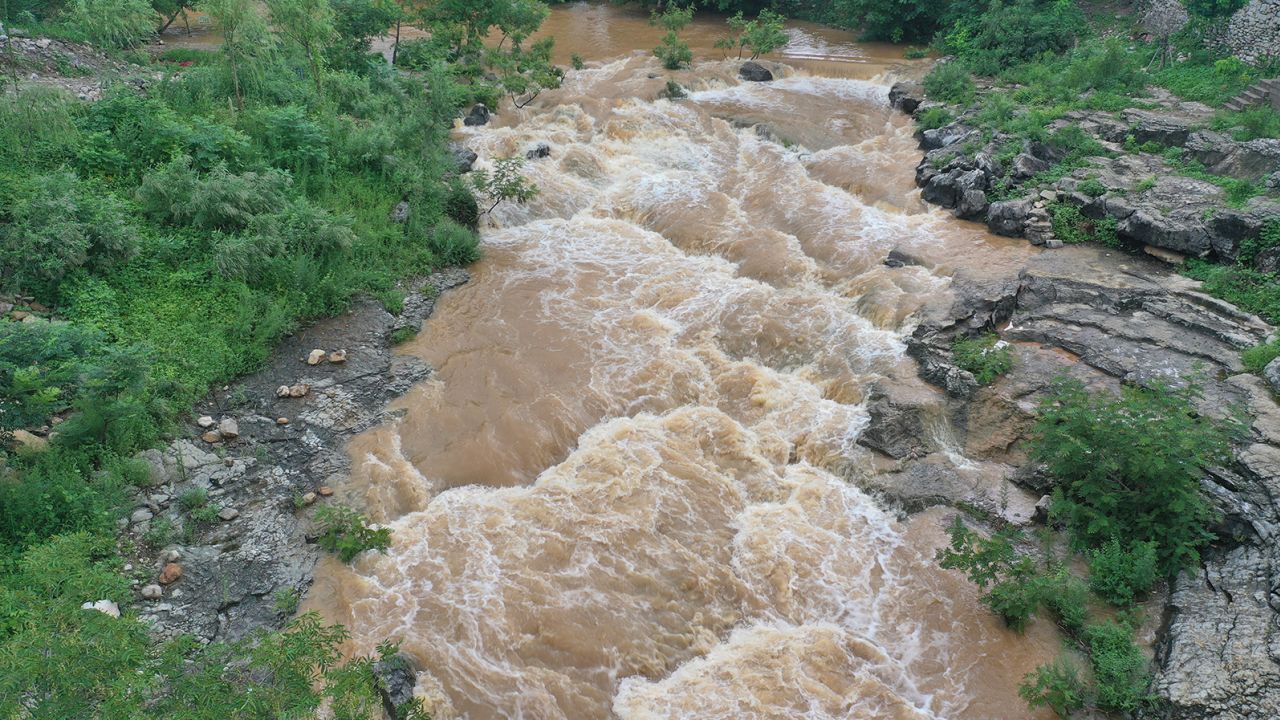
x=1148 y=202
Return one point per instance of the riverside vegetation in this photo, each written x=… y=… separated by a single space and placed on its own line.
x=159 y=242
x=181 y=229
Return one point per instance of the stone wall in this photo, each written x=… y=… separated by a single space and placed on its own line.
x=1253 y=33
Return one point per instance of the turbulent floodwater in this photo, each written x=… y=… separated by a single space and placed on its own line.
x=632 y=487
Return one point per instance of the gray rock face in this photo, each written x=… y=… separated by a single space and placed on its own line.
x=1162 y=128
x=1026 y=166
x=944 y=136
x=1222 y=155
x=1272 y=373
x=1009 y=217
x=972 y=205
x=906 y=96
x=752 y=71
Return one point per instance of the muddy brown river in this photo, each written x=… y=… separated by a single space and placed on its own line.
x=632 y=487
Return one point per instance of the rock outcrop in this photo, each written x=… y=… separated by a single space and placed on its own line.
x=1106 y=320
x=752 y=71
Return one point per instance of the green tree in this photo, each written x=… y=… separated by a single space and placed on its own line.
x=505 y=182
x=761 y=36
x=246 y=39
x=672 y=51
x=309 y=24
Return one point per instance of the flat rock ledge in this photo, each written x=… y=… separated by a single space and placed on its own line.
x=225 y=580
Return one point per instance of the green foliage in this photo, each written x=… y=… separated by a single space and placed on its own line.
x=950 y=83
x=576 y=61
x=1119 y=667
x=505 y=182
x=346 y=533
x=989 y=39
x=760 y=36
x=287 y=600
x=1268 y=238
x=1093 y=187
x=52 y=225
x=402 y=335
x=355 y=24
x=1206 y=79
x=454 y=244
x=1213 y=8
x=934 y=118
x=916 y=53
x=193 y=499
x=1072 y=227
x=1129 y=467
x=1015 y=589
x=672 y=51
x=1250 y=124
x=1067 y=597
x=111 y=23
x=893 y=20
x=1257 y=358
x=673 y=91
x=1250 y=290
x=1120 y=573
x=985 y=356
x=1056 y=686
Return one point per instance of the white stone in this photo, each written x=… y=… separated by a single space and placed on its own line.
x=205 y=422
x=316 y=357
x=229 y=428
x=152 y=592
x=106 y=607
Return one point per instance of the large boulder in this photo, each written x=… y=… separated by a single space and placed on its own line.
x=752 y=71
x=971 y=205
x=944 y=136
x=479 y=115
x=1272 y=373
x=906 y=96
x=1009 y=217
x=396 y=680
x=1221 y=155
x=941 y=190
x=463 y=158
x=1026 y=166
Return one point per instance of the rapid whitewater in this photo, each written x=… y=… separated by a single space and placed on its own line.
x=633 y=486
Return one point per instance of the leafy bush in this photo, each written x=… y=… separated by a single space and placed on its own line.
x=1056 y=686
x=1093 y=188
x=761 y=36
x=1129 y=467
x=991 y=39
x=893 y=20
x=950 y=83
x=986 y=357
x=1015 y=587
x=346 y=533
x=672 y=51
x=56 y=224
x=1120 y=573
x=1067 y=597
x=1257 y=358
x=454 y=244
x=1072 y=227
x=1268 y=238
x=1119 y=667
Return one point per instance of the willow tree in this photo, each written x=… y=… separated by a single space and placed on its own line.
x=245 y=38
x=309 y=24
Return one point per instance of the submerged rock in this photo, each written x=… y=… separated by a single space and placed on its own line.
x=478 y=116
x=906 y=96
x=752 y=71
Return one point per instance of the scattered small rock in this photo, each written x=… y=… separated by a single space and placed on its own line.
x=299 y=390
x=140 y=515
x=205 y=422
x=400 y=213
x=309 y=498
x=541 y=150
x=152 y=592
x=315 y=357
x=282 y=421
x=170 y=555
x=337 y=357
x=324 y=490
x=20 y=315
x=282 y=391
x=228 y=514
x=30 y=442
x=211 y=437
x=229 y=428
x=171 y=573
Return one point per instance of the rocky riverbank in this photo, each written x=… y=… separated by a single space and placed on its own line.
x=1136 y=191
x=223 y=534
x=1108 y=317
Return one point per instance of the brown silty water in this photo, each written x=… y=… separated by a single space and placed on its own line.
x=631 y=488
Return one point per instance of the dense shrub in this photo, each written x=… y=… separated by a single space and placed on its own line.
x=1072 y=227
x=1248 y=289
x=346 y=533
x=950 y=83
x=56 y=224
x=1015 y=585
x=989 y=39
x=1129 y=466
x=1119 y=667
x=986 y=357
x=893 y=20
x=1056 y=686
x=1121 y=573
x=933 y=118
